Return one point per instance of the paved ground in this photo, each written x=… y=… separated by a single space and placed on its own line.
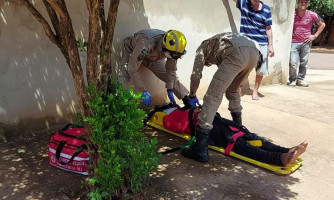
x=285 y=115
x=320 y=60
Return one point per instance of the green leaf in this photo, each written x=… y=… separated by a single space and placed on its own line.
x=92 y=181
x=104 y=194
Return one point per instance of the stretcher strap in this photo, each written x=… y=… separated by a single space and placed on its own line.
x=255 y=143
x=181 y=147
x=230 y=146
x=191 y=122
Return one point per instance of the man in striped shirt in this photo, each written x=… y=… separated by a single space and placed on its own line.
x=256 y=24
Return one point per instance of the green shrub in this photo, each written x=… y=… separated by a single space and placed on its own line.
x=324 y=8
x=127 y=155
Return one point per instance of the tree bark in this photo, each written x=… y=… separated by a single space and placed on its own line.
x=107 y=38
x=93 y=40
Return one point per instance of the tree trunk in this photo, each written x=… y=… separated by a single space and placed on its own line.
x=108 y=29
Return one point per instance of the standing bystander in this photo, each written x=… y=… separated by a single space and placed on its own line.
x=301 y=42
x=256 y=24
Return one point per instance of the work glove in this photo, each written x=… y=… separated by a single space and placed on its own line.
x=194 y=101
x=171 y=96
x=146 y=98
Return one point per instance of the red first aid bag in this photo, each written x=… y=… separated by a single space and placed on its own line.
x=66 y=149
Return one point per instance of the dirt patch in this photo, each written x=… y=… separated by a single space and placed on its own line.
x=323 y=49
x=26 y=174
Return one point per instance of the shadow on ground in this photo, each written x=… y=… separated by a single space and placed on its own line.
x=222 y=177
x=25 y=172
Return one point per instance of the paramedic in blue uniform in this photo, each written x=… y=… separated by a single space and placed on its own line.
x=158 y=51
x=235 y=55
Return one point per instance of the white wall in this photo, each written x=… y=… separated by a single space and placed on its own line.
x=36 y=82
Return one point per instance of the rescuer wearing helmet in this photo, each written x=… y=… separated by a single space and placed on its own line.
x=150 y=48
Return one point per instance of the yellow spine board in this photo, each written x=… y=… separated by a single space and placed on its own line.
x=157 y=122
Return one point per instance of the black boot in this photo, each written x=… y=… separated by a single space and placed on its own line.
x=186 y=102
x=198 y=150
x=236 y=116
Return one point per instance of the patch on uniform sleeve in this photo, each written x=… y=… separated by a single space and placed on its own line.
x=144 y=52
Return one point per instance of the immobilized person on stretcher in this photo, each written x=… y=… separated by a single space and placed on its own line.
x=223 y=135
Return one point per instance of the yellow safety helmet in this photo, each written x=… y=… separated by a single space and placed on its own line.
x=174 y=41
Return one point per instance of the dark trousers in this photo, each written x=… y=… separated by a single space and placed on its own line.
x=267 y=153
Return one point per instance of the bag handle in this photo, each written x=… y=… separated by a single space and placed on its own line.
x=76 y=152
x=71 y=126
x=61 y=132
